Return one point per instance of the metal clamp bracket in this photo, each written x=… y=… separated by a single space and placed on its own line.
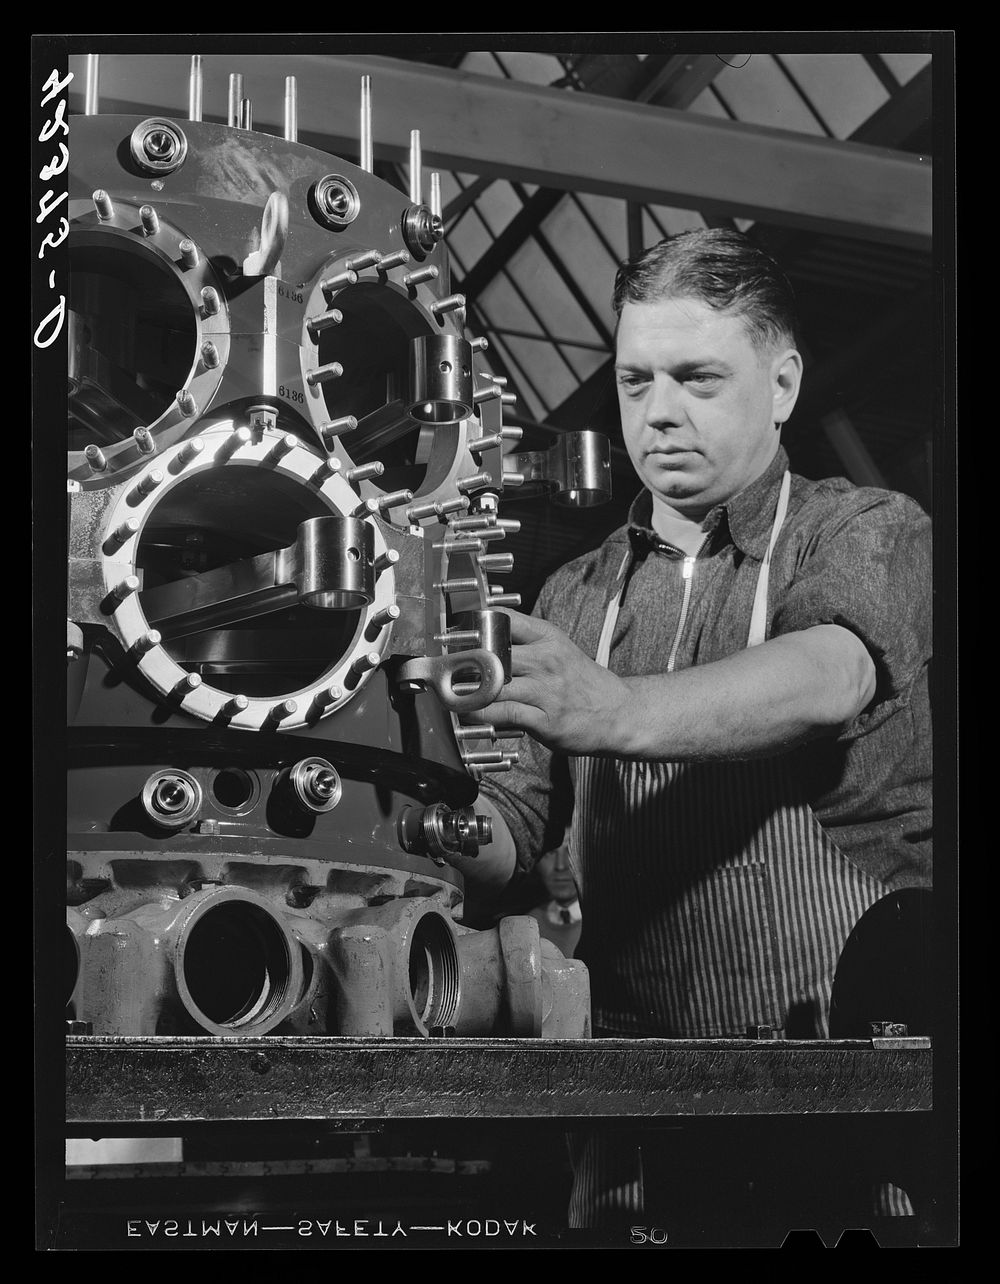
x=441 y=672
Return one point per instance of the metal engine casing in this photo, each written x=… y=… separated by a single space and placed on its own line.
x=261 y=686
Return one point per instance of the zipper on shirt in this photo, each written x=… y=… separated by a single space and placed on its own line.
x=687 y=571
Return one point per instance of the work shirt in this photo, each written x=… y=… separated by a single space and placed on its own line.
x=855 y=557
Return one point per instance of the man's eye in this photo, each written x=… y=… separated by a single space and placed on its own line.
x=631 y=383
x=702 y=379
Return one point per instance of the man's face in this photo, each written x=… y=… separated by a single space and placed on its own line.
x=699 y=403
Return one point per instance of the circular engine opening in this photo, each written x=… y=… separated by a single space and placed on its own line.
x=131 y=334
x=223 y=518
x=234 y=788
x=372 y=343
x=236 y=965
x=433 y=972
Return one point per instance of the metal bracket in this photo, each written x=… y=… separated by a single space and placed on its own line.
x=273 y=234
x=440 y=672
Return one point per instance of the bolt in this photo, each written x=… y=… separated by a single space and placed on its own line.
x=190 y=450
x=283 y=445
x=209 y=828
x=210 y=301
x=384 y=560
x=144 y=440
x=209 y=355
x=96 y=458
x=413 y=279
x=466 y=545
x=336 y=427
x=329 y=695
x=237 y=438
x=365 y=472
x=316 y=325
x=189 y=254
x=145 y=643
x=322 y=373
x=399 y=258
x=459 y=637
x=150 y=220
x=129 y=585
x=474 y=482
x=121 y=533
x=386 y=616
x=394 y=499
x=326 y=469
x=485 y=443
x=338 y=281
x=147 y=484
x=419 y=511
x=104 y=205
x=450 y=304
x=501 y=563
x=284 y=709
x=187 y=404
x=370 y=258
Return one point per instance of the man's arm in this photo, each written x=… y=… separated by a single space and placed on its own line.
x=763 y=700
x=487 y=875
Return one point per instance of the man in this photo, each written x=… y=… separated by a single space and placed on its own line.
x=727 y=700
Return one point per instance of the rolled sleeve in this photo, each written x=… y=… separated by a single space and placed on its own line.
x=869 y=571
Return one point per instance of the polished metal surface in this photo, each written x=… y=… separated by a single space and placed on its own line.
x=440 y=375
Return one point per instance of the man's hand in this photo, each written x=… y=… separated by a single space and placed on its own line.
x=557 y=694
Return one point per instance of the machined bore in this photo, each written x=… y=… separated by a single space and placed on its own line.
x=433 y=972
x=440 y=372
x=235 y=965
x=332 y=563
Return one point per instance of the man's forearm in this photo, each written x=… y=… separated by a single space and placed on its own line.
x=760 y=701
x=756 y=702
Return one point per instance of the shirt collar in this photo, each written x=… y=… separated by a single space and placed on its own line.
x=748 y=515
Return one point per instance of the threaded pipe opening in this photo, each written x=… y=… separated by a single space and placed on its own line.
x=236 y=966
x=433 y=972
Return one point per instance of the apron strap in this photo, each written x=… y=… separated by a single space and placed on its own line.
x=611 y=614
x=758 y=620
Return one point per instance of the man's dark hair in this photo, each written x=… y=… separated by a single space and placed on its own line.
x=725 y=270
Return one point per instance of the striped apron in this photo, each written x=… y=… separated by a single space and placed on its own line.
x=712 y=900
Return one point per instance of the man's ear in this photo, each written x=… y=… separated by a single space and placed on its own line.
x=786 y=379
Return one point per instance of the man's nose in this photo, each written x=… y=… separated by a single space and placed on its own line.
x=664 y=406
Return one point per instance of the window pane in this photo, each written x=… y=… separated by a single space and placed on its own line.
x=759 y=93
x=585 y=255
x=842 y=87
x=904 y=66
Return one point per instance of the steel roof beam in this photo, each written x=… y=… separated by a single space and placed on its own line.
x=559 y=139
